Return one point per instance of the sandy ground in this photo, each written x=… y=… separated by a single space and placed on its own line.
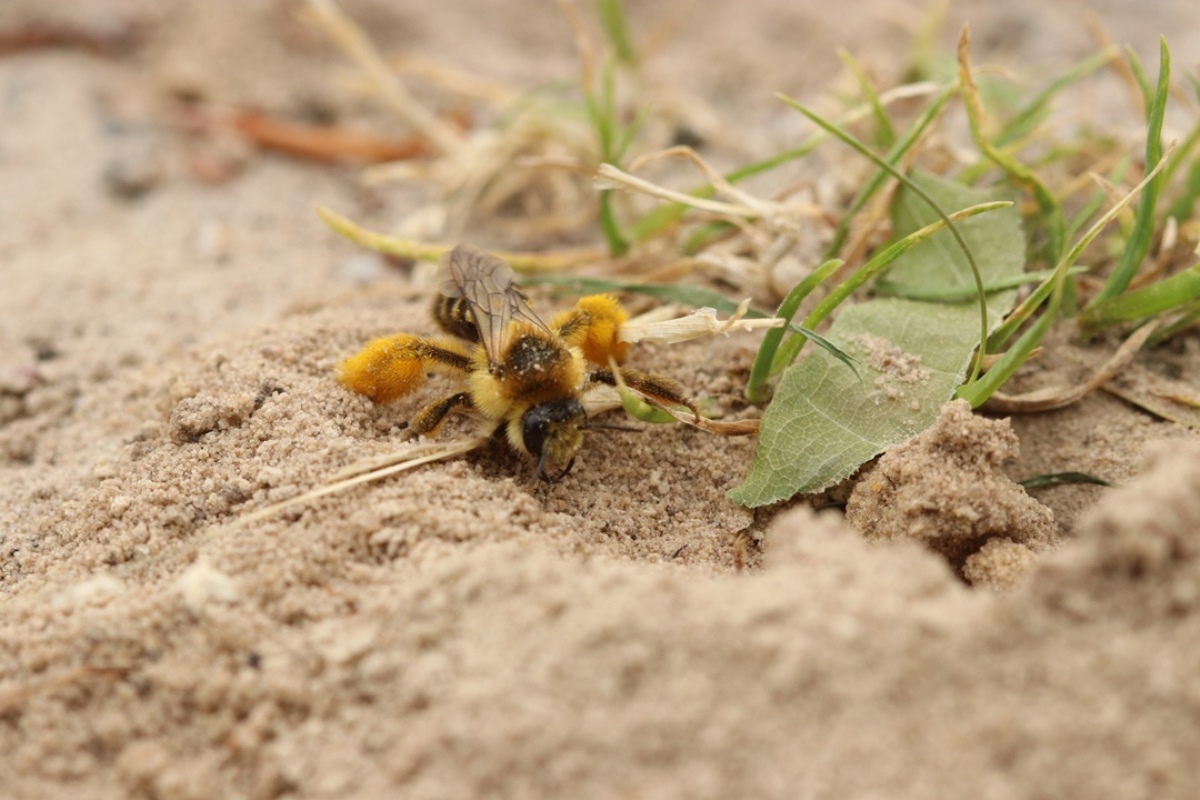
x=166 y=365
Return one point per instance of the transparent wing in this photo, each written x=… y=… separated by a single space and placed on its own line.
x=486 y=283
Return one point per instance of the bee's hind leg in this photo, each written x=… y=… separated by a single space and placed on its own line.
x=391 y=367
x=658 y=388
x=431 y=417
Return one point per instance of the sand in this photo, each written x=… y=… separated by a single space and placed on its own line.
x=170 y=319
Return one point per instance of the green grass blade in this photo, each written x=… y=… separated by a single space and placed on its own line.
x=1185 y=203
x=1051 y=211
x=1097 y=198
x=1063 y=479
x=953 y=295
x=1138 y=243
x=1139 y=75
x=922 y=55
x=616 y=28
x=1148 y=301
x=617 y=244
x=1025 y=120
x=757 y=391
x=704 y=235
x=790 y=349
x=885 y=134
x=1189 y=314
x=1024 y=311
x=978 y=392
x=1183 y=152
x=893 y=157
x=858 y=146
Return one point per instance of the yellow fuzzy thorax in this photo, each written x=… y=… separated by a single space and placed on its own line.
x=506 y=390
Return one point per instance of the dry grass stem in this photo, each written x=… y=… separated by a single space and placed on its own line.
x=737 y=427
x=1056 y=397
x=399 y=461
x=554 y=261
x=354 y=42
x=456 y=81
x=779 y=217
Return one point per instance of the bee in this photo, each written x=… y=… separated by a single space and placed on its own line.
x=521 y=375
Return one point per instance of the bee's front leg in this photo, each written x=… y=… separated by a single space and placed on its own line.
x=431 y=417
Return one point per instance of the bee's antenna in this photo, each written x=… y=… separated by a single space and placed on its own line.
x=608 y=426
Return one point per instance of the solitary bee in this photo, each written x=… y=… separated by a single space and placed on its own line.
x=521 y=374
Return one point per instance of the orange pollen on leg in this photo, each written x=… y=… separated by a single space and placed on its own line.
x=598 y=339
x=385 y=369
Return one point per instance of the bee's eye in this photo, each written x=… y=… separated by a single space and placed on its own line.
x=552 y=429
x=533 y=431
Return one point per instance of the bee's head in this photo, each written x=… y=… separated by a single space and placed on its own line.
x=552 y=432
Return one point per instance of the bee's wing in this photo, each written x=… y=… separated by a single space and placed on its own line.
x=486 y=283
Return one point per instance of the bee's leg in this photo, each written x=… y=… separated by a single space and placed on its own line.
x=658 y=388
x=431 y=417
x=393 y=366
x=594 y=325
x=560 y=475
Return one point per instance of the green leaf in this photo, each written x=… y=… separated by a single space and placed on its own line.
x=825 y=422
x=939 y=265
x=846 y=138
x=756 y=385
x=884 y=258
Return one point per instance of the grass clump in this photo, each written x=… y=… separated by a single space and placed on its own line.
x=940 y=276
